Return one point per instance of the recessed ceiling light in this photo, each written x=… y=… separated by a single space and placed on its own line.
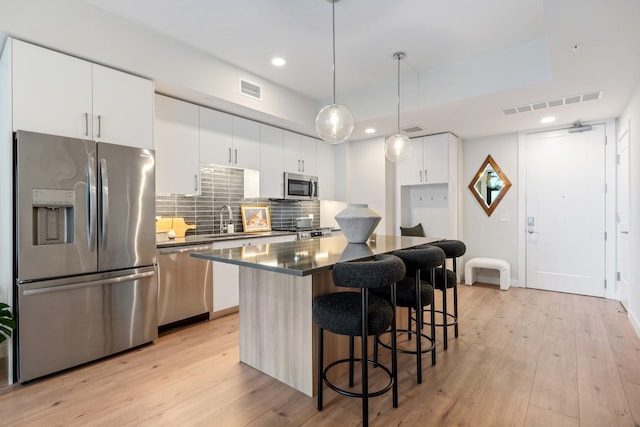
x=548 y=119
x=278 y=62
x=576 y=47
x=369 y=130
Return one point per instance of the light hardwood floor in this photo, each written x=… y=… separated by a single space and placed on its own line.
x=523 y=358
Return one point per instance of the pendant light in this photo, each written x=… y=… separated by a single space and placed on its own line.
x=398 y=146
x=334 y=123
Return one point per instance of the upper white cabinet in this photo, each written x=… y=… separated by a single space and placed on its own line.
x=429 y=162
x=62 y=95
x=299 y=154
x=216 y=140
x=227 y=140
x=326 y=167
x=271 y=162
x=246 y=143
x=177 y=146
x=122 y=108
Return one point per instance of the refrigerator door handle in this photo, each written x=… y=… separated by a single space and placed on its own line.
x=104 y=193
x=91 y=204
x=127 y=278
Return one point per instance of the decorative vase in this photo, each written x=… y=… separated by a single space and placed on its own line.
x=357 y=222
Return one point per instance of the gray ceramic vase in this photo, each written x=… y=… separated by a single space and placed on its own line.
x=357 y=222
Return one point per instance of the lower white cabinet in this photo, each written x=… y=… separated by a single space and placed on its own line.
x=226 y=281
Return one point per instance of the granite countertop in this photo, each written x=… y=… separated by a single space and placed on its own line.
x=305 y=257
x=210 y=238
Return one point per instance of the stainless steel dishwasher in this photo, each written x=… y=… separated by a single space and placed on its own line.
x=185 y=285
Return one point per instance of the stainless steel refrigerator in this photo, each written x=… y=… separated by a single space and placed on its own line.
x=86 y=283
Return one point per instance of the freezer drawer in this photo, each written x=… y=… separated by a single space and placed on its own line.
x=185 y=284
x=67 y=322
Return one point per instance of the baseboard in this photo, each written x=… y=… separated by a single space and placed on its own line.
x=634 y=322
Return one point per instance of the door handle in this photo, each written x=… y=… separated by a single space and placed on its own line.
x=195 y=182
x=420 y=175
x=51 y=289
x=99 y=125
x=235 y=162
x=86 y=124
x=91 y=203
x=302 y=165
x=229 y=155
x=104 y=186
x=531 y=231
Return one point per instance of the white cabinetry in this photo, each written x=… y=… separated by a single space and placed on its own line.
x=299 y=153
x=326 y=167
x=271 y=162
x=227 y=140
x=216 y=130
x=429 y=161
x=226 y=289
x=433 y=202
x=177 y=147
x=62 y=95
x=246 y=143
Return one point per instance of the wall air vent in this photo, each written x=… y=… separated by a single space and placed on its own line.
x=250 y=89
x=542 y=105
x=412 y=129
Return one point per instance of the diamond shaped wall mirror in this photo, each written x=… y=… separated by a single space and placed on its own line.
x=489 y=185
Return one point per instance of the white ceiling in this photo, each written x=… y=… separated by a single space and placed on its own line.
x=467 y=60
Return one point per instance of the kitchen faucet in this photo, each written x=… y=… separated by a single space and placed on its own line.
x=224 y=227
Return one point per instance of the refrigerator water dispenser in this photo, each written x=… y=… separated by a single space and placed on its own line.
x=53 y=216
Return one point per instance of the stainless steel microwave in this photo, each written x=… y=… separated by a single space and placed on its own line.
x=300 y=187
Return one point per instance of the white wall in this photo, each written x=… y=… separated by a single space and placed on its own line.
x=490 y=236
x=631 y=115
x=80 y=29
x=366 y=177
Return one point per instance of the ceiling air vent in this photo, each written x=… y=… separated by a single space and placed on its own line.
x=250 y=89
x=412 y=129
x=543 y=105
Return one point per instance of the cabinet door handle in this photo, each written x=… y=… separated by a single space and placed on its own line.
x=302 y=165
x=299 y=170
x=229 y=155
x=99 y=125
x=235 y=161
x=86 y=124
x=420 y=175
x=195 y=182
x=425 y=175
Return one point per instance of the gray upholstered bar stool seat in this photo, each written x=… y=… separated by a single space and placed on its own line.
x=452 y=250
x=419 y=261
x=359 y=314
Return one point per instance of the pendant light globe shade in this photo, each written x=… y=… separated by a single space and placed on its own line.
x=398 y=148
x=334 y=123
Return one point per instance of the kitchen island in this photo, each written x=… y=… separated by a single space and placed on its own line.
x=278 y=283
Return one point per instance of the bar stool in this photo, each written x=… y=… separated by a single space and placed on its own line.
x=359 y=314
x=443 y=281
x=415 y=294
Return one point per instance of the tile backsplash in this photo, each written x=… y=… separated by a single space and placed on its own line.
x=221 y=186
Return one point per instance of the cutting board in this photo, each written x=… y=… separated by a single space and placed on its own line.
x=179 y=226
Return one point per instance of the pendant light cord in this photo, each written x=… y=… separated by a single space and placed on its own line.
x=333 y=9
x=398 y=129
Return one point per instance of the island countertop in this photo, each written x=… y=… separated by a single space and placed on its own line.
x=307 y=257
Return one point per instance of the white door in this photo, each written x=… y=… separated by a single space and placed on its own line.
x=623 y=258
x=565 y=205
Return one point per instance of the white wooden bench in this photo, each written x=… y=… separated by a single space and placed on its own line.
x=491 y=263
